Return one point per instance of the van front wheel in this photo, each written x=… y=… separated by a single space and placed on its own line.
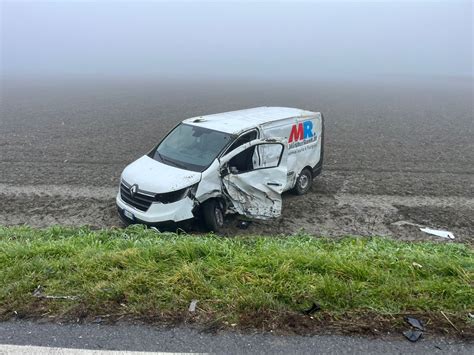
x=303 y=182
x=213 y=215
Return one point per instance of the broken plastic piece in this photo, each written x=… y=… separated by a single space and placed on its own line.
x=314 y=308
x=438 y=232
x=38 y=293
x=413 y=335
x=415 y=323
x=192 y=306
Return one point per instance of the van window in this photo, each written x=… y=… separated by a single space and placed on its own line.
x=247 y=160
x=191 y=147
x=245 y=138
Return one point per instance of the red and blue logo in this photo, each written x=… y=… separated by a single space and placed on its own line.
x=301 y=132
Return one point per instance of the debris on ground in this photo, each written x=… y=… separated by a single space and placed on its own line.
x=38 y=292
x=314 y=308
x=192 y=306
x=415 y=264
x=243 y=224
x=438 y=232
x=415 y=323
x=415 y=333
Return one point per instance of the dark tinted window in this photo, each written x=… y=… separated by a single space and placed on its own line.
x=245 y=138
x=265 y=155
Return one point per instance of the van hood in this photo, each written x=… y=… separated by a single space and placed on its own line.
x=153 y=176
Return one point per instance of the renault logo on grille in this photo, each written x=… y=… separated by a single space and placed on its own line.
x=133 y=190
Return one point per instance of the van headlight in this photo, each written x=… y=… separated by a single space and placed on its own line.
x=173 y=196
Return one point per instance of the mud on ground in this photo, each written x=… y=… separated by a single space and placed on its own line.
x=398 y=155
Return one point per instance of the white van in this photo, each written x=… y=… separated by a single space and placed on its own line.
x=232 y=162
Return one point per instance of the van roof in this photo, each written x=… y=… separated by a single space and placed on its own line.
x=235 y=122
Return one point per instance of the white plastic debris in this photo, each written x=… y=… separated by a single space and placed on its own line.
x=192 y=306
x=38 y=292
x=438 y=232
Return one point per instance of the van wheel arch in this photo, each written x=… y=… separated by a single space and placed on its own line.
x=304 y=181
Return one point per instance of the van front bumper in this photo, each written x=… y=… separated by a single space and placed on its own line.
x=157 y=212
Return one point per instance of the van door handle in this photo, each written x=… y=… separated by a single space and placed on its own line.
x=273 y=184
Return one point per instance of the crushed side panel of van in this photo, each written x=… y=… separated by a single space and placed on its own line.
x=257 y=193
x=253 y=198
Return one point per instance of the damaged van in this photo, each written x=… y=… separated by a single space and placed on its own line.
x=233 y=162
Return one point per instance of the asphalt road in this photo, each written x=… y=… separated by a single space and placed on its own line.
x=184 y=339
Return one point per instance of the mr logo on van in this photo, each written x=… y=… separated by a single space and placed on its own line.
x=301 y=134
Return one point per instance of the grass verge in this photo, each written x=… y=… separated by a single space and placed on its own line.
x=361 y=284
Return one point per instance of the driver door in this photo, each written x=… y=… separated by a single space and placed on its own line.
x=254 y=176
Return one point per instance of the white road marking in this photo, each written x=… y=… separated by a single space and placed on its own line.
x=44 y=350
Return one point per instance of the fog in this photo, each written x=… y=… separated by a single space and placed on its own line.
x=243 y=40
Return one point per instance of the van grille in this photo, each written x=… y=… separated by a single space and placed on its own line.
x=139 y=200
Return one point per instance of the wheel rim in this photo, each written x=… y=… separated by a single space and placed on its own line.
x=303 y=181
x=219 y=216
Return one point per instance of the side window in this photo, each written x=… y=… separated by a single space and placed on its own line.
x=243 y=161
x=269 y=156
x=245 y=138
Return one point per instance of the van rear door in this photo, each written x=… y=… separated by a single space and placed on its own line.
x=254 y=176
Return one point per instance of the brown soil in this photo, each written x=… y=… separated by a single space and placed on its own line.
x=397 y=157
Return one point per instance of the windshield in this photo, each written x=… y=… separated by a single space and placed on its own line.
x=191 y=147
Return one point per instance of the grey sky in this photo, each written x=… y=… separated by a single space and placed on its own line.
x=323 y=39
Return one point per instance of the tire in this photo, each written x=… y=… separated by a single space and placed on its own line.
x=125 y=222
x=303 y=182
x=213 y=215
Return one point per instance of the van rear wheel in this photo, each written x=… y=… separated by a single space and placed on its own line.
x=213 y=215
x=303 y=182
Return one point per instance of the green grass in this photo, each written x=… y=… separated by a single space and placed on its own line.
x=139 y=272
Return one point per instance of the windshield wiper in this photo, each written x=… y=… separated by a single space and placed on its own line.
x=159 y=155
x=172 y=162
x=178 y=165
